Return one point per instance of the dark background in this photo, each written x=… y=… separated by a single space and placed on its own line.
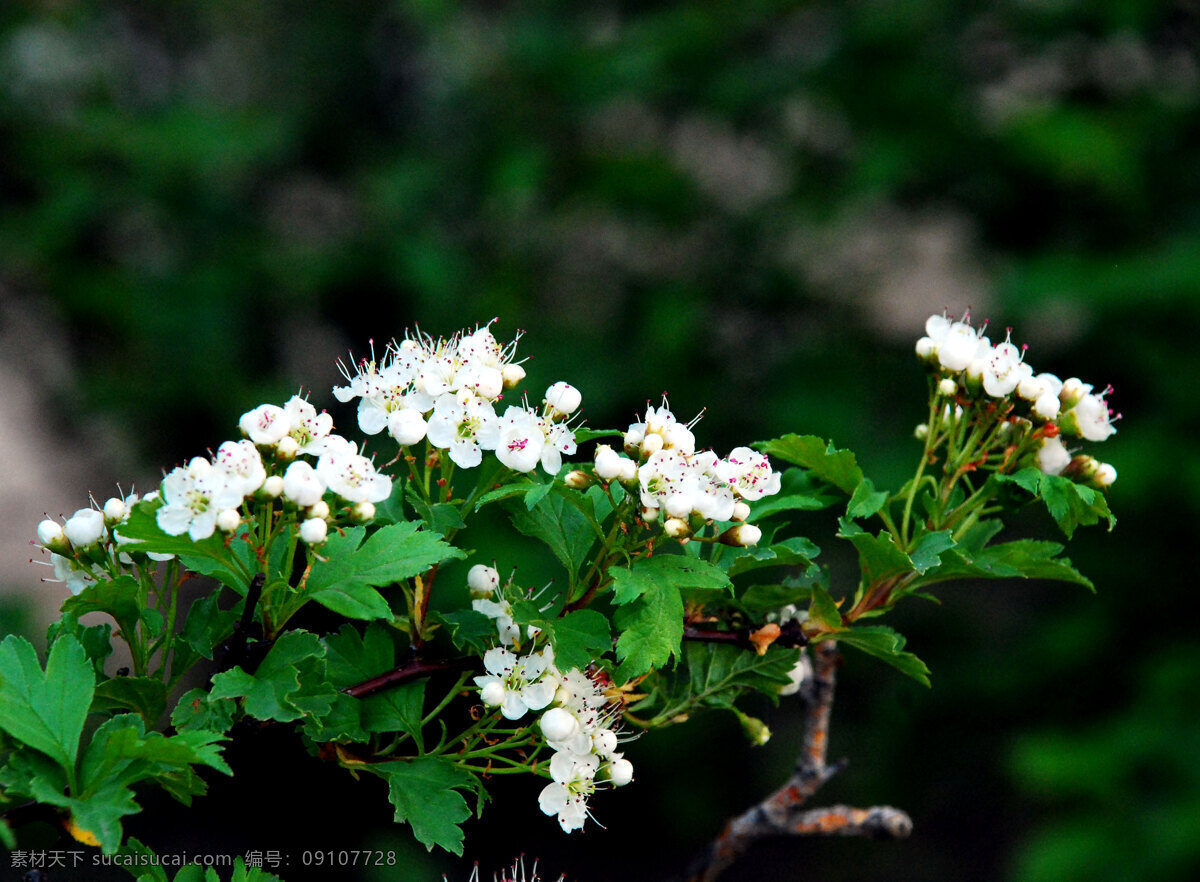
x=752 y=206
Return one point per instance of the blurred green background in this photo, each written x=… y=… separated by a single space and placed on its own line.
x=751 y=206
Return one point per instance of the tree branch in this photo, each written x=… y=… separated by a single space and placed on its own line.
x=780 y=813
x=405 y=672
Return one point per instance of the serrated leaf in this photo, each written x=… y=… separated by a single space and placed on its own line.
x=209 y=556
x=929 y=550
x=119 y=598
x=346 y=581
x=662 y=571
x=505 y=492
x=206 y=626
x=46 y=709
x=146 y=696
x=470 y=631
x=1071 y=505
x=536 y=494
x=718 y=674
x=579 y=638
x=351 y=658
x=1022 y=559
x=196 y=709
x=865 y=500
x=794 y=552
x=884 y=643
x=96 y=640
x=879 y=558
x=424 y=793
x=561 y=526
x=824 y=609
x=284 y=687
x=798 y=491
x=760 y=599
x=441 y=517
x=838 y=467
x=651 y=630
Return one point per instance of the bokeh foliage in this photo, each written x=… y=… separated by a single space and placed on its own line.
x=752 y=206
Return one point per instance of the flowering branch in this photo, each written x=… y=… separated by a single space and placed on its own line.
x=779 y=814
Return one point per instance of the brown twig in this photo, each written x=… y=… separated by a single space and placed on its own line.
x=404 y=673
x=780 y=813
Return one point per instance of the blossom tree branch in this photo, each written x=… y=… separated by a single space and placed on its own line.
x=781 y=814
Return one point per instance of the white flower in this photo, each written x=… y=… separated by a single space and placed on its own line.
x=302 y=485
x=313 y=531
x=115 y=510
x=193 y=497
x=664 y=482
x=407 y=426
x=353 y=477
x=465 y=428
x=797 y=675
x=308 y=428
x=242 y=466
x=620 y=772
x=1052 y=456
x=559 y=724
x=574 y=781
x=608 y=463
x=563 y=399
x=521 y=440
x=1046 y=406
x=524 y=683
x=1004 y=370
x=266 y=424
x=559 y=440
x=50 y=533
x=749 y=474
x=501 y=612
x=76 y=576
x=1090 y=418
x=961 y=345
x=85 y=527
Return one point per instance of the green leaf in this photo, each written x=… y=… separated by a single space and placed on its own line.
x=506 y=492
x=718 y=674
x=346 y=581
x=289 y=683
x=536 y=494
x=196 y=709
x=470 y=631
x=884 y=643
x=205 y=626
x=865 y=500
x=661 y=571
x=824 y=609
x=878 y=557
x=760 y=599
x=799 y=490
x=561 y=526
x=95 y=639
x=120 y=598
x=441 y=517
x=46 y=710
x=579 y=638
x=583 y=434
x=838 y=467
x=142 y=695
x=794 y=552
x=351 y=658
x=929 y=550
x=651 y=629
x=1022 y=559
x=1071 y=505
x=425 y=794
x=208 y=556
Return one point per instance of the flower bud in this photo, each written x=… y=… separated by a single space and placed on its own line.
x=563 y=399
x=1072 y=392
x=743 y=535
x=362 y=512
x=1052 y=457
x=755 y=729
x=947 y=387
x=302 y=485
x=604 y=742
x=628 y=471
x=1105 y=475
x=266 y=424
x=115 y=510
x=273 y=486
x=1046 y=406
x=608 y=463
x=633 y=442
x=741 y=511
x=512 y=374
x=313 y=531
x=482 y=581
x=287 y=448
x=407 y=426
x=492 y=693
x=1031 y=388
x=50 y=534
x=921 y=432
x=228 y=520
x=927 y=350
x=85 y=527
x=649 y=515
x=559 y=724
x=319 y=509
x=620 y=772
x=651 y=444
x=577 y=480
x=676 y=528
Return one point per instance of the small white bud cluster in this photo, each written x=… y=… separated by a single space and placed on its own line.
x=974 y=372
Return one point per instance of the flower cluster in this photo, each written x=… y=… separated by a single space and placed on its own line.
x=974 y=372
x=577 y=713
x=89 y=547
x=446 y=390
x=683 y=488
x=207 y=494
